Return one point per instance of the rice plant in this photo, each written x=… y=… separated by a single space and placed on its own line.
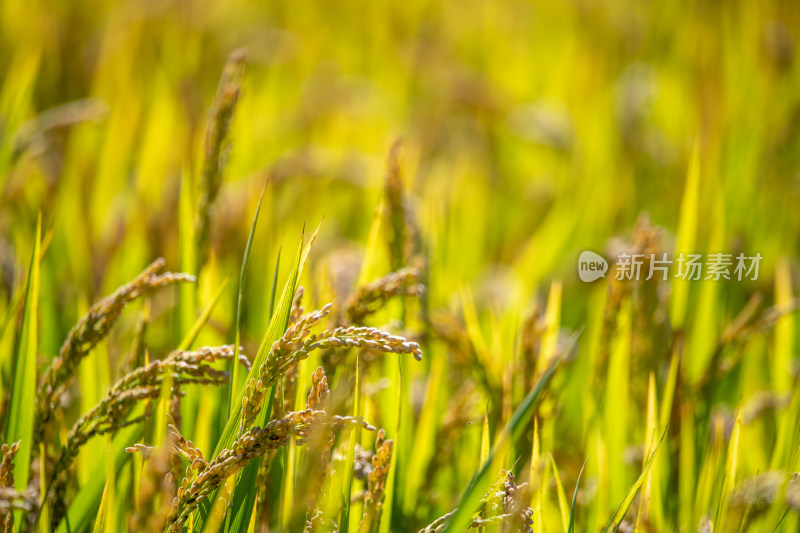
x=412 y=267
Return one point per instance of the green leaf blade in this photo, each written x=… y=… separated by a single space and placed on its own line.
x=21 y=408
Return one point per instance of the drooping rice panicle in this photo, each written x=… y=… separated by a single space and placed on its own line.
x=298 y=341
x=373 y=499
x=208 y=354
x=319 y=456
x=7 y=480
x=111 y=413
x=297 y=306
x=373 y=296
x=216 y=143
x=90 y=330
x=7 y=464
x=251 y=444
x=320 y=393
x=187 y=450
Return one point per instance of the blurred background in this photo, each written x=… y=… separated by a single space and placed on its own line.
x=528 y=132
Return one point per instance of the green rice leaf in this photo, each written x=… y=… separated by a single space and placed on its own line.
x=729 y=475
x=236 y=379
x=244 y=493
x=562 y=495
x=20 y=410
x=571 y=525
x=687 y=237
x=192 y=334
x=619 y=514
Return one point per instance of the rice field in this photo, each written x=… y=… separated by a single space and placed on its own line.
x=424 y=266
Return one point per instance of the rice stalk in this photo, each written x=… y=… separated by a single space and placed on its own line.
x=319 y=456
x=90 y=330
x=296 y=344
x=111 y=413
x=373 y=499
x=7 y=481
x=251 y=444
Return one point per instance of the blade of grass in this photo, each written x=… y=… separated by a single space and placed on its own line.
x=562 y=495
x=192 y=334
x=781 y=378
x=100 y=521
x=649 y=436
x=703 y=338
x=687 y=236
x=21 y=408
x=711 y=474
x=665 y=411
x=107 y=509
x=617 y=415
x=536 y=479
x=368 y=266
x=729 y=476
x=425 y=437
x=571 y=526
x=274 y=291
x=622 y=510
x=237 y=379
x=552 y=324
x=187 y=295
x=485 y=446
x=391 y=479
x=687 y=457
x=44 y=513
